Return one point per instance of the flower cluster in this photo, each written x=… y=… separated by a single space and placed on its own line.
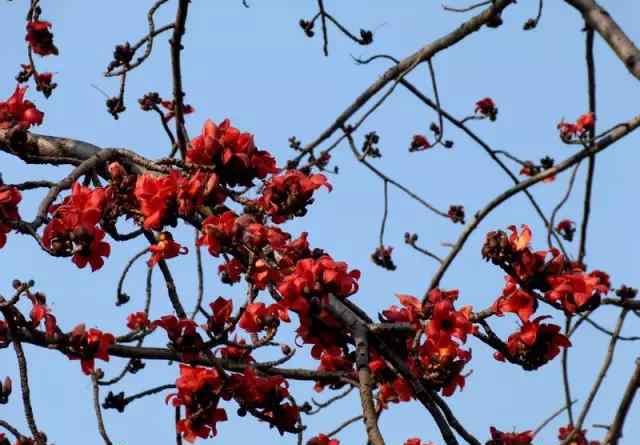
x=440 y=358
x=10 y=197
x=577 y=437
x=164 y=249
x=162 y=198
x=570 y=131
x=16 y=112
x=199 y=392
x=322 y=439
x=288 y=194
x=183 y=336
x=233 y=154
x=535 y=344
x=487 y=108
x=73 y=229
x=40 y=38
x=88 y=345
x=564 y=284
x=263 y=396
x=501 y=438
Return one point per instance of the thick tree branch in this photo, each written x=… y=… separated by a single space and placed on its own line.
x=600 y=20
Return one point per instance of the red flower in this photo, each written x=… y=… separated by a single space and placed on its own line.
x=288 y=194
x=443 y=361
x=231 y=271
x=183 y=336
x=40 y=38
x=416 y=441
x=221 y=310
x=579 y=437
x=198 y=190
x=156 y=195
x=569 y=131
x=535 y=344
x=170 y=107
x=233 y=153
x=396 y=391
x=566 y=228
x=257 y=316
x=199 y=392
x=138 y=321
x=217 y=232
x=44 y=83
x=586 y=122
x=516 y=300
x=17 y=112
x=86 y=346
x=487 y=107
x=419 y=143
x=322 y=439
x=164 y=249
x=264 y=394
x=447 y=321
x=411 y=312
x=10 y=197
x=578 y=291
x=500 y=438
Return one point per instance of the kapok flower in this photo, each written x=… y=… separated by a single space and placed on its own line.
x=156 y=196
x=516 y=300
x=445 y=320
x=138 y=321
x=221 y=310
x=411 y=312
x=288 y=194
x=487 y=108
x=40 y=38
x=182 y=334
x=419 y=142
x=257 y=316
x=231 y=271
x=416 y=441
x=500 y=438
x=579 y=437
x=164 y=249
x=578 y=291
x=20 y=113
x=217 y=232
x=535 y=344
x=10 y=197
x=569 y=131
x=199 y=392
x=86 y=346
x=322 y=439
x=235 y=155
x=443 y=360
x=566 y=228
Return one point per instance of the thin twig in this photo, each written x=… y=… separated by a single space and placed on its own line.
x=98 y=410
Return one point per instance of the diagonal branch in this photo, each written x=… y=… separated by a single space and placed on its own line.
x=600 y=20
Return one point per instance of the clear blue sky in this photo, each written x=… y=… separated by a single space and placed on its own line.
x=256 y=67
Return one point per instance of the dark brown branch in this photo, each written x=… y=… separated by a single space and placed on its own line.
x=176 y=68
x=98 y=410
x=468 y=8
x=602 y=22
x=602 y=144
x=24 y=378
x=366 y=384
x=549 y=419
x=615 y=430
x=591 y=81
x=425 y=53
x=601 y=375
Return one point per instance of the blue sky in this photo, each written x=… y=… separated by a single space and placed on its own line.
x=256 y=67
